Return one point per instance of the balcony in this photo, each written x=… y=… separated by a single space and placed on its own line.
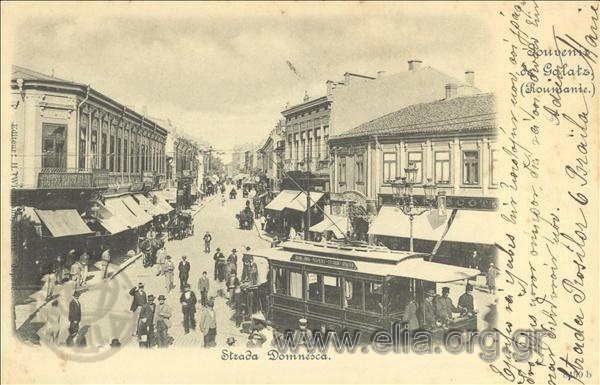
x=56 y=178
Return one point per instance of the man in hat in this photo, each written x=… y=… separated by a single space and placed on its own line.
x=188 y=307
x=147 y=312
x=115 y=343
x=491 y=278
x=163 y=322
x=410 y=313
x=220 y=265
x=208 y=324
x=139 y=297
x=466 y=302
x=203 y=287
x=74 y=312
x=233 y=284
x=261 y=334
x=444 y=307
x=76 y=270
x=207 y=238
x=428 y=311
x=169 y=267
x=143 y=332
x=161 y=256
x=233 y=257
x=303 y=336
x=83 y=260
x=184 y=272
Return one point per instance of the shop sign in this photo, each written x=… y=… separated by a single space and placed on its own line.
x=324 y=261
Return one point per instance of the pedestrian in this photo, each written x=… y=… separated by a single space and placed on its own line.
x=59 y=270
x=53 y=321
x=163 y=322
x=410 y=313
x=139 y=297
x=263 y=222
x=161 y=255
x=292 y=234
x=188 y=307
x=444 y=308
x=184 y=272
x=208 y=324
x=207 y=238
x=147 y=312
x=50 y=280
x=303 y=336
x=168 y=270
x=105 y=261
x=233 y=257
x=491 y=278
x=84 y=260
x=143 y=332
x=253 y=273
x=466 y=302
x=427 y=311
x=76 y=270
x=203 y=288
x=233 y=283
x=74 y=312
x=220 y=265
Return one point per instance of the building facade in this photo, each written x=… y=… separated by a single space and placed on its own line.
x=270 y=156
x=451 y=143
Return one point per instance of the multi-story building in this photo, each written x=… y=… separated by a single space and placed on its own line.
x=449 y=142
x=269 y=156
x=81 y=164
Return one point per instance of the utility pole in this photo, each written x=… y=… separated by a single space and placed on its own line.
x=307 y=222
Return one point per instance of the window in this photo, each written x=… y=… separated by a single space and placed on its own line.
x=415 y=161
x=374 y=297
x=281 y=280
x=112 y=153
x=342 y=169
x=131 y=156
x=398 y=290
x=353 y=298
x=493 y=167
x=94 y=148
x=442 y=167
x=54 y=153
x=471 y=167
x=389 y=167
x=103 y=145
x=82 y=142
x=332 y=289
x=315 y=292
x=125 y=153
x=318 y=143
x=118 y=155
x=360 y=169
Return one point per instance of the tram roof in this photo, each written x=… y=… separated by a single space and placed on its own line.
x=412 y=265
x=358 y=253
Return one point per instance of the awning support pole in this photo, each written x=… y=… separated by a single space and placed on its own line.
x=439 y=242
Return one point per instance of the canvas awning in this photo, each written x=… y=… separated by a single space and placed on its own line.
x=116 y=206
x=63 y=223
x=299 y=202
x=146 y=204
x=137 y=210
x=466 y=226
x=282 y=199
x=161 y=205
x=413 y=267
x=335 y=223
x=113 y=223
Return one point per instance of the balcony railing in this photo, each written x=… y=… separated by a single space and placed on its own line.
x=72 y=178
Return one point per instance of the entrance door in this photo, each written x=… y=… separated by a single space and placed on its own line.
x=54 y=151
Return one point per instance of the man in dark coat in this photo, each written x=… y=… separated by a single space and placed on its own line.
x=74 y=312
x=188 y=307
x=207 y=238
x=139 y=297
x=147 y=312
x=466 y=302
x=203 y=287
x=184 y=272
x=428 y=311
x=232 y=257
x=220 y=265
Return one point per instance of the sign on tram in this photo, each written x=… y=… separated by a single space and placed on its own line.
x=324 y=261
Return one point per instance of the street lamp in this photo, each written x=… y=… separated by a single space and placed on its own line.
x=404 y=198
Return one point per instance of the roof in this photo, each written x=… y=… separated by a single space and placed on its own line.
x=465 y=113
x=19 y=72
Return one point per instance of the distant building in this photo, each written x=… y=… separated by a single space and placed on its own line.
x=270 y=153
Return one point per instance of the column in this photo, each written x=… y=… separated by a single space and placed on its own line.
x=456 y=155
x=377 y=170
x=88 y=139
x=368 y=172
x=428 y=162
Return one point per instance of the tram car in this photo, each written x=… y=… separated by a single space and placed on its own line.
x=345 y=288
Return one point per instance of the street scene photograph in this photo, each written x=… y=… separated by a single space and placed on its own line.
x=248 y=183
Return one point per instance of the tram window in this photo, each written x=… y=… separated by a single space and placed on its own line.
x=354 y=294
x=281 y=277
x=295 y=284
x=398 y=293
x=314 y=287
x=374 y=297
x=333 y=289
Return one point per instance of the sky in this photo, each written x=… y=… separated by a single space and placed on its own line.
x=223 y=73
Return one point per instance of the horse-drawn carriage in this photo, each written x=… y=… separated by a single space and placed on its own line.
x=149 y=247
x=181 y=225
x=245 y=218
x=232 y=193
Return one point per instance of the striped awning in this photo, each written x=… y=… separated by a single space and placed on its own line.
x=63 y=223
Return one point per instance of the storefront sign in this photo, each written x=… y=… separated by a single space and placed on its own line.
x=452 y=202
x=324 y=261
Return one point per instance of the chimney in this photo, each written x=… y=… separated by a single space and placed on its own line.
x=380 y=74
x=414 y=65
x=451 y=90
x=347 y=78
x=306 y=96
x=470 y=78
